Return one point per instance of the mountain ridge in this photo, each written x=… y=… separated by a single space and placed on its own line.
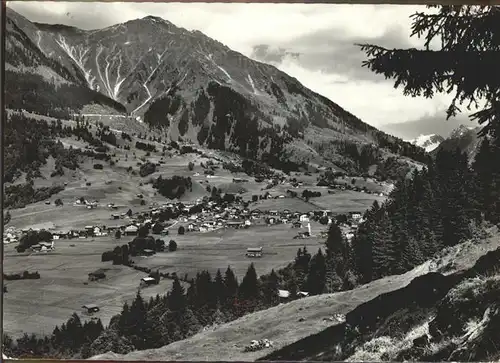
x=196 y=88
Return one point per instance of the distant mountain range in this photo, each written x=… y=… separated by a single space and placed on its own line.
x=463 y=137
x=428 y=142
x=435 y=124
x=185 y=84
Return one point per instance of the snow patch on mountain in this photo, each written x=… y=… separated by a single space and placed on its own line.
x=460 y=131
x=427 y=142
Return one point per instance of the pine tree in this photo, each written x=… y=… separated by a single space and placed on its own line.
x=136 y=321
x=189 y=324
x=220 y=288
x=315 y=282
x=249 y=288
x=231 y=283
x=176 y=297
x=455 y=209
x=469 y=52
x=291 y=284
x=383 y=248
x=411 y=255
x=270 y=289
x=483 y=173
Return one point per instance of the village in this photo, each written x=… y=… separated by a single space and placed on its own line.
x=200 y=217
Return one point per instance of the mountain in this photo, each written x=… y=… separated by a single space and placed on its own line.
x=427 y=125
x=427 y=142
x=188 y=85
x=463 y=137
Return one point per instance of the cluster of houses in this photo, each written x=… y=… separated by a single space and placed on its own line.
x=82 y=202
x=11 y=235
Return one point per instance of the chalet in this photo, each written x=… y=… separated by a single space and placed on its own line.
x=254 y=252
x=191 y=227
x=297 y=225
x=148 y=252
x=90 y=308
x=273 y=212
x=115 y=228
x=42 y=246
x=302 y=294
x=284 y=295
x=131 y=230
x=89 y=229
x=147 y=281
x=234 y=224
x=270 y=220
x=256 y=212
x=304 y=218
x=356 y=215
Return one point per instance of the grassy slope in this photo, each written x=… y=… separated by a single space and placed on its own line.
x=227 y=341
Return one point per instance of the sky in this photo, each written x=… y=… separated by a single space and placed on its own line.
x=314 y=43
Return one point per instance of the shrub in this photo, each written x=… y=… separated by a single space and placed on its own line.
x=172 y=246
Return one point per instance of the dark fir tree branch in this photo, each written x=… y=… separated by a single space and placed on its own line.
x=465 y=64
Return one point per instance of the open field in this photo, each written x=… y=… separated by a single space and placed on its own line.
x=341 y=202
x=39 y=305
x=226 y=247
x=346 y=201
x=281 y=323
x=36 y=306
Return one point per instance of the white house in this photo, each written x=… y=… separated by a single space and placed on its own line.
x=304 y=218
x=283 y=294
x=356 y=216
x=131 y=230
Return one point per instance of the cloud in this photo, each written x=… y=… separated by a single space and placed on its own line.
x=311 y=42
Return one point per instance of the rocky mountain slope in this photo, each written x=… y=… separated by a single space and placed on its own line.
x=191 y=86
x=465 y=138
x=427 y=142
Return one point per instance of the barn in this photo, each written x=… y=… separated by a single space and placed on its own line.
x=254 y=252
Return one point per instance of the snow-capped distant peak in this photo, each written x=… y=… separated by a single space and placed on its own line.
x=427 y=142
x=460 y=131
